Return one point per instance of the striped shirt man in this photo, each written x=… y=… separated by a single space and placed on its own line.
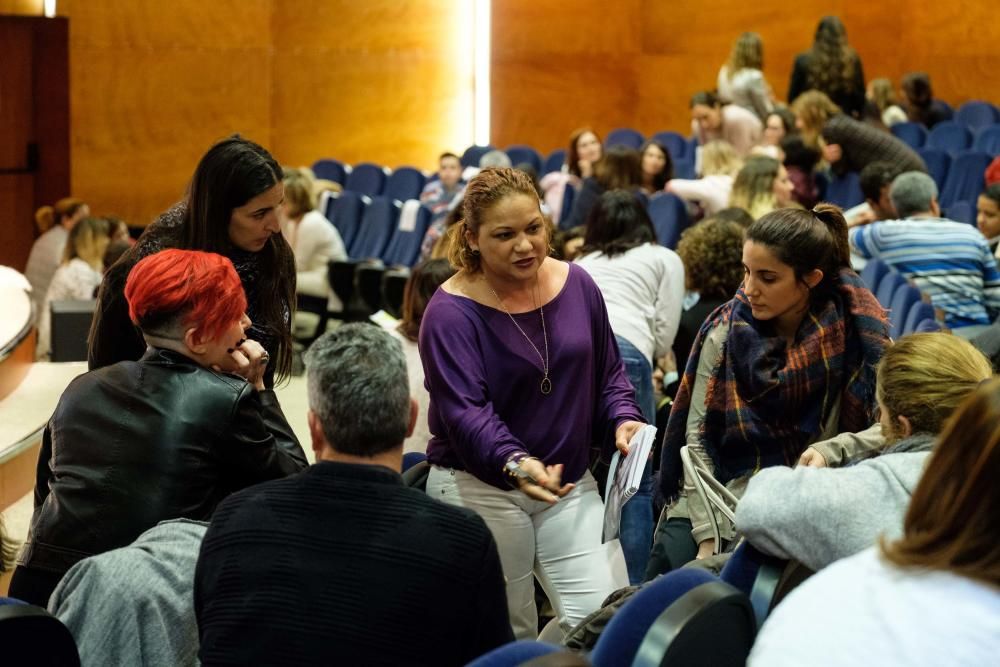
x=948 y=261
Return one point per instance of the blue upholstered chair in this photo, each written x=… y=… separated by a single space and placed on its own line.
x=376 y=228
x=515 y=653
x=844 y=191
x=965 y=178
x=904 y=298
x=405 y=183
x=670 y=218
x=961 y=211
x=950 y=136
x=624 y=136
x=920 y=313
x=938 y=163
x=473 y=154
x=873 y=273
x=554 y=162
x=912 y=134
x=345 y=212
x=887 y=288
x=331 y=170
x=366 y=179
x=675 y=142
x=976 y=114
x=404 y=246
x=525 y=155
x=988 y=140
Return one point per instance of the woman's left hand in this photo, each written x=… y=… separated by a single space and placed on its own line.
x=624 y=434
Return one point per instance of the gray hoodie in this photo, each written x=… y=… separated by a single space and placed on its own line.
x=819 y=515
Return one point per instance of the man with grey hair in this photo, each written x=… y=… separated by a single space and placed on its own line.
x=343 y=564
x=949 y=261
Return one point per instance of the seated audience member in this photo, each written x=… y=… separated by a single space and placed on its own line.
x=921 y=106
x=495 y=158
x=741 y=80
x=848 y=144
x=779 y=124
x=719 y=166
x=814 y=334
x=135 y=605
x=618 y=169
x=800 y=162
x=820 y=515
x=762 y=186
x=567 y=243
x=54 y=223
x=441 y=196
x=832 y=67
x=876 y=181
x=584 y=151
x=77 y=278
x=948 y=261
x=420 y=287
x=313 y=239
x=881 y=105
x=643 y=287
x=988 y=215
x=165 y=437
x=931 y=597
x=657 y=167
x=711 y=119
x=366 y=570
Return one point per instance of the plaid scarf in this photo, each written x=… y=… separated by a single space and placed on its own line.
x=766 y=402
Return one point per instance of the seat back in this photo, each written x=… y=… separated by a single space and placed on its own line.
x=976 y=114
x=393 y=288
x=873 y=273
x=405 y=183
x=473 y=154
x=949 y=136
x=919 y=312
x=755 y=574
x=515 y=653
x=675 y=142
x=887 y=288
x=938 y=164
x=331 y=170
x=845 y=191
x=366 y=179
x=525 y=155
x=624 y=136
x=32 y=634
x=966 y=179
x=569 y=195
x=376 y=228
x=404 y=246
x=554 y=162
x=988 y=140
x=670 y=218
x=70 y=326
x=912 y=134
x=961 y=211
x=903 y=299
x=345 y=212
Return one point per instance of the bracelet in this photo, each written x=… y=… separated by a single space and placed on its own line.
x=515 y=474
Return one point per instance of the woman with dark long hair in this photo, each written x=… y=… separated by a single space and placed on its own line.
x=618 y=169
x=831 y=66
x=231 y=208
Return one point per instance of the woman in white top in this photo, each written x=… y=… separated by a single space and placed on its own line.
x=929 y=598
x=741 y=80
x=78 y=277
x=313 y=238
x=719 y=166
x=643 y=288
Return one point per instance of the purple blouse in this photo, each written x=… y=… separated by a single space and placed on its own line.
x=484 y=381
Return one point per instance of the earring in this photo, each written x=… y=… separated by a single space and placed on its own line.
x=474 y=252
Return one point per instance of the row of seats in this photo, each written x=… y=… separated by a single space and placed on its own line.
x=950 y=136
x=372 y=180
x=908 y=311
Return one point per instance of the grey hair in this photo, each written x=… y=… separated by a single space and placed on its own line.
x=358 y=389
x=912 y=193
x=495 y=158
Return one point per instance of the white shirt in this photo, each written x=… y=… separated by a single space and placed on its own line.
x=73 y=281
x=415 y=375
x=643 y=290
x=315 y=242
x=46 y=256
x=864 y=611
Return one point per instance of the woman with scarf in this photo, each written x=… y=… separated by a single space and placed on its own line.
x=789 y=361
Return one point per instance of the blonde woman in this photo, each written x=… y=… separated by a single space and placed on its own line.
x=719 y=165
x=54 y=224
x=741 y=80
x=79 y=275
x=762 y=186
x=882 y=98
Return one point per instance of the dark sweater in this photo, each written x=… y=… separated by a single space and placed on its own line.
x=851 y=99
x=344 y=565
x=863 y=144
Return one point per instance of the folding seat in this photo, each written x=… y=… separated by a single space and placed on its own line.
x=669 y=215
x=903 y=299
x=988 y=140
x=938 y=163
x=912 y=134
x=367 y=179
x=765 y=579
x=961 y=211
x=624 y=136
x=516 y=653
x=684 y=168
x=966 y=179
x=977 y=114
x=554 y=162
x=345 y=212
x=887 y=288
x=331 y=170
x=31 y=635
x=873 y=273
x=525 y=155
x=473 y=154
x=404 y=246
x=675 y=142
x=921 y=314
x=405 y=183
x=377 y=226
x=950 y=136
x=844 y=191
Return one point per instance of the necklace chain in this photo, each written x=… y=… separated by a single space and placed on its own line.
x=546 y=385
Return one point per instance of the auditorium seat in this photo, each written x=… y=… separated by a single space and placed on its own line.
x=961 y=211
x=403 y=248
x=554 y=162
x=366 y=179
x=873 y=273
x=920 y=313
x=515 y=653
x=473 y=154
x=903 y=299
x=887 y=288
x=70 y=326
x=976 y=114
x=675 y=142
x=331 y=170
x=765 y=579
x=345 y=212
x=938 y=163
x=376 y=228
x=988 y=140
x=30 y=635
x=844 y=191
x=950 y=136
x=624 y=136
x=684 y=168
x=670 y=218
x=569 y=194
x=521 y=154
x=912 y=134
x=965 y=178
x=393 y=288
x=405 y=183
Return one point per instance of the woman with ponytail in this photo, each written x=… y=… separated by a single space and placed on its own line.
x=54 y=224
x=788 y=361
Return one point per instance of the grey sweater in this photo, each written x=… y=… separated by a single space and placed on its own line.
x=820 y=515
x=135 y=605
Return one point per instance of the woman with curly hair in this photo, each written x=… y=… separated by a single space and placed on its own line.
x=741 y=80
x=831 y=66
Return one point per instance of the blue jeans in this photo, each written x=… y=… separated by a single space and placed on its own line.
x=636 y=528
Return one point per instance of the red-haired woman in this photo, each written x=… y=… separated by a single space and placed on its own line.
x=165 y=437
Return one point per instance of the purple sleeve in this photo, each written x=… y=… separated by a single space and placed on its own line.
x=456 y=379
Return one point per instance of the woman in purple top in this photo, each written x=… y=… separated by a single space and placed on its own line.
x=524 y=376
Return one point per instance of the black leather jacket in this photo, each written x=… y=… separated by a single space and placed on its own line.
x=138 y=442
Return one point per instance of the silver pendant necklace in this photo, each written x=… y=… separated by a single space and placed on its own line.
x=546 y=385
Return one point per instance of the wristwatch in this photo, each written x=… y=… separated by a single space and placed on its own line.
x=515 y=473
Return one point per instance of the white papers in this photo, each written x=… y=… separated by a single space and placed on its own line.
x=624 y=478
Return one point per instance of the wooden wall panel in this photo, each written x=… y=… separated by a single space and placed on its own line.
x=21 y=7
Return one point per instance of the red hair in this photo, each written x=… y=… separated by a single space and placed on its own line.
x=202 y=289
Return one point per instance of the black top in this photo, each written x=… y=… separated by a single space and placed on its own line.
x=139 y=442
x=687 y=332
x=861 y=144
x=344 y=565
x=851 y=100
x=587 y=197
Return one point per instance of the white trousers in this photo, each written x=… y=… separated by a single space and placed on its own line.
x=559 y=544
